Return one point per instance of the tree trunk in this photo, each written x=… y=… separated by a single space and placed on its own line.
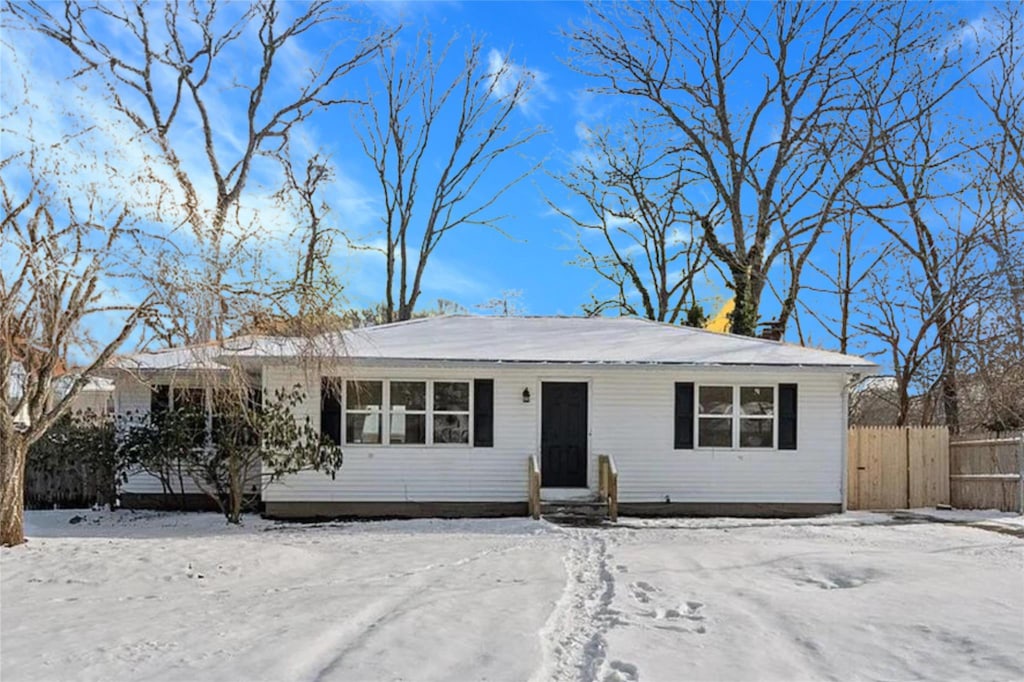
x=12 y=499
x=903 y=398
x=235 y=492
x=743 y=318
x=950 y=394
x=182 y=504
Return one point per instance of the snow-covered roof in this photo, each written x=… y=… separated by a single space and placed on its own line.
x=198 y=357
x=560 y=340
x=93 y=384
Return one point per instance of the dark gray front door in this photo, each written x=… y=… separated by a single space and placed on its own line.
x=563 y=435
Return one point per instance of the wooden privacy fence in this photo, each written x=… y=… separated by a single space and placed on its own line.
x=987 y=473
x=71 y=486
x=893 y=467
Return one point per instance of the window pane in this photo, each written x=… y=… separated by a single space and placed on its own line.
x=451 y=396
x=362 y=395
x=715 y=432
x=160 y=400
x=716 y=399
x=757 y=400
x=408 y=428
x=756 y=433
x=191 y=403
x=451 y=428
x=412 y=395
x=362 y=428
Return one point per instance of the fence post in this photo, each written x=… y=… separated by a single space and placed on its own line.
x=1020 y=474
x=906 y=459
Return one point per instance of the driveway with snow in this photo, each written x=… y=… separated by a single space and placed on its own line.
x=181 y=597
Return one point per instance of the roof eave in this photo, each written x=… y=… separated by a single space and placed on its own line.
x=381 y=361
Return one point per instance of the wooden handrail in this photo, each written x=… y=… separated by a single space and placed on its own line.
x=608 y=485
x=533 y=484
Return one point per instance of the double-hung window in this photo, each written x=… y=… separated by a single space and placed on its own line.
x=451 y=412
x=727 y=415
x=408 y=412
x=714 y=417
x=363 y=400
x=757 y=416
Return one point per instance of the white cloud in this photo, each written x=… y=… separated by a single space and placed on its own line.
x=970 y=33
x=507 y=76
x=584 y=133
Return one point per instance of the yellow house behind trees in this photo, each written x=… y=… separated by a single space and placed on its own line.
x=720 y=322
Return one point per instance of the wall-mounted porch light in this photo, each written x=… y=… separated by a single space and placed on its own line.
x=526 y=395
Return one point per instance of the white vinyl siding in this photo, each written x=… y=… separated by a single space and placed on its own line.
x=631 y=413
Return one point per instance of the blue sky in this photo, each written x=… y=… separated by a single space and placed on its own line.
x=473 y=264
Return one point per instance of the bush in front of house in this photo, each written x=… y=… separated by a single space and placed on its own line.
x=233 y=447
x=76 y=463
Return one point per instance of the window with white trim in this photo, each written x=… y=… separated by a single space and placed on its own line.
x=727 y=415
x=408 y=412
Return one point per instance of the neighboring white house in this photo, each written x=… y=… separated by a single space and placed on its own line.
x=439 y=415
x=97 y=396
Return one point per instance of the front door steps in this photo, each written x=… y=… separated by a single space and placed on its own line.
x=573 y=507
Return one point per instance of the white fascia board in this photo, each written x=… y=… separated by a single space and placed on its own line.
x=250 y=361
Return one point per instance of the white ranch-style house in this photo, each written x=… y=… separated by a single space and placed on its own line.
x=440 y=416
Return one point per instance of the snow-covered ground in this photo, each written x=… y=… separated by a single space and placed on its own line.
x=182 y=597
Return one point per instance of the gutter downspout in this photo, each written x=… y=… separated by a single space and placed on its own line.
x=851 y=380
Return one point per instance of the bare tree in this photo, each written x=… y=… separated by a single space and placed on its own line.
x=647 y=246
x=775 y=152
x=845 y=276
x=432 y=142
x=944 y=274
x=60 y=255
x=898 y=311
x=315 y=289
x=922 y=194
x=992 y=351
x=166 y=77
x=509 y=304
x=992 y=368
x=999 y=186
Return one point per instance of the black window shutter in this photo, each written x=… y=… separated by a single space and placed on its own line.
x=330 y=409
x=684 y=415
x=787 y=416
x=483 y=413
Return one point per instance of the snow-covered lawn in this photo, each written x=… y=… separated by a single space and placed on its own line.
x=181 y=597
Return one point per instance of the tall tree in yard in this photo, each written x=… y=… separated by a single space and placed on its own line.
x=845 y=273
x=993 y=352
x=315 y=289
x=764 y=100
x=170 y=77
x=940 y=197
x=61 y=256
x=434 y=141
x=637 y=232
